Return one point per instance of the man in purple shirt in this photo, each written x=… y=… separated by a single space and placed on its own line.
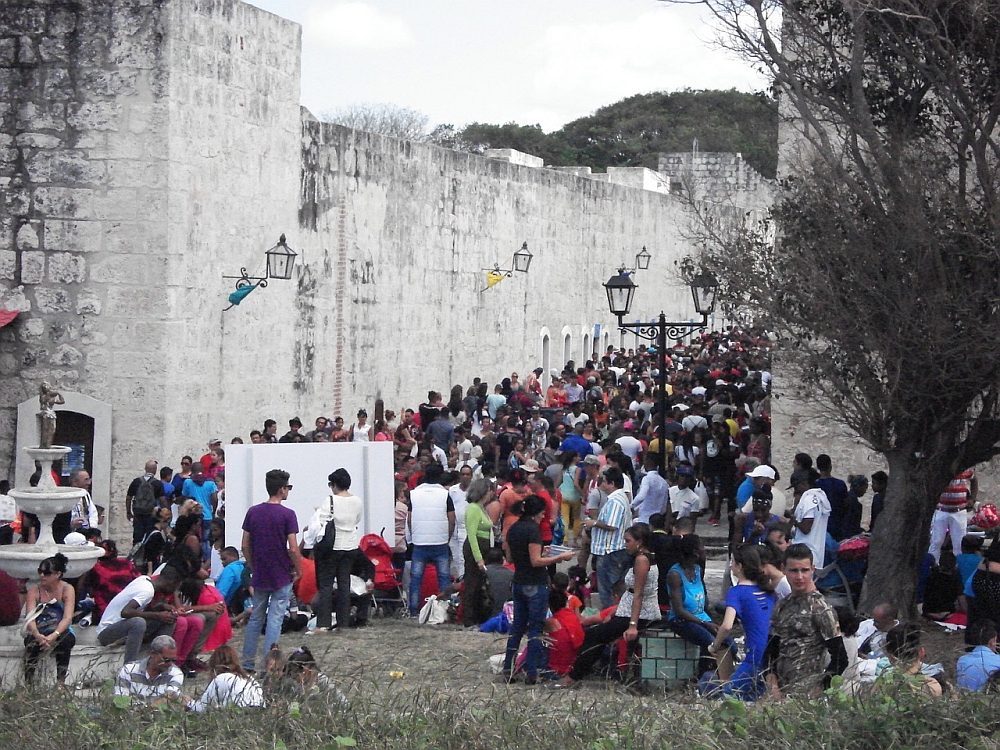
x=271 y=550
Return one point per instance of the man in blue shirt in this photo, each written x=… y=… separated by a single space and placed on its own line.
x=974 y=668
x=230 y=577
x=576 y=442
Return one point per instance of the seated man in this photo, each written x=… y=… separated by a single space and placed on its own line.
x=230 y=580
x=155 y=679
x=906 y=662
x=975 y=668
x=129 y=615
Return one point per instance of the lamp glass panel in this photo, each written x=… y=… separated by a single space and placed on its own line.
x=522 y=259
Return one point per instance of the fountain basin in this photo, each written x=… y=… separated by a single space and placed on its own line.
x=47 y=501
x=21 y=560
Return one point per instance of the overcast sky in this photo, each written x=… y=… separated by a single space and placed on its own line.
x=532 y=62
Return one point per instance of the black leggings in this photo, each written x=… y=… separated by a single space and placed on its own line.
x=333 y=568
x=62 y=648
x=595 y=638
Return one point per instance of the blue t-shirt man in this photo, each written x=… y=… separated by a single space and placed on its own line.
x=229 y=580
x=974 y=668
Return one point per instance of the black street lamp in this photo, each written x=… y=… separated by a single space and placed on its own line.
x=621 y=291
x=642 y=260
x=280 y=261
x=521 y=262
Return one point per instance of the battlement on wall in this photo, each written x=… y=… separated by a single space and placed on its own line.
x=716 y=177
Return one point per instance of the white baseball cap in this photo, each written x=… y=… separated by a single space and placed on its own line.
x=762 y=471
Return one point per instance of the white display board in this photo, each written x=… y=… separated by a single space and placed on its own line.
x=309 y=464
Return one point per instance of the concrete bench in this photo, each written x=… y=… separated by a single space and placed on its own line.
x=90 y=664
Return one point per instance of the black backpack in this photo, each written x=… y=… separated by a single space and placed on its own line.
x=144 y=500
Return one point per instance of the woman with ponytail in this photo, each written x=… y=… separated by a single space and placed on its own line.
x=751 y=601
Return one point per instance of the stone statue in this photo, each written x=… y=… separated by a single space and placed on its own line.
x=47 y=398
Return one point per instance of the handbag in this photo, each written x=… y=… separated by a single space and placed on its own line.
x=329 y=534
x=46 y=616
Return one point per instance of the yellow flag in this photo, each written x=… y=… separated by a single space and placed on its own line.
x=493 y=278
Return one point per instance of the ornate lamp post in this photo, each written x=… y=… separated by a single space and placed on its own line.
x=280 y=261
x=621 y=291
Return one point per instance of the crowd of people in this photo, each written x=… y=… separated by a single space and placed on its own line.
x=495 y=488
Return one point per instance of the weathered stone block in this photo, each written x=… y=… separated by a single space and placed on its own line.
x=8 y=51
x=88 y=304
x=66 y=356
x=13 y=391
x=50 y=300
x=65 y=167
x=66 y=268
x=26 y=54
x=32 y=267
x=8 y=265
x=31 y=330
x=27 y=236
x=63 y=331
x=53 y=49
x=127 y=301
x=96 y=116
x=135 y=364
x=38 y=140
x=75 y=236
x=58 y=85
x=31 y=117
x=61 y=21
x=92 y=333
x=8 y=364
x=14 y=299
x=61 y=203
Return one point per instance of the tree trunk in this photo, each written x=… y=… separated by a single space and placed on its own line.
x=902 y=535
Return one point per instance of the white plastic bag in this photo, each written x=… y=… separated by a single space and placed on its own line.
x=434 y=611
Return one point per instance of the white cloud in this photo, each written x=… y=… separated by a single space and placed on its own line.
x=592 y=64
x=356 y=26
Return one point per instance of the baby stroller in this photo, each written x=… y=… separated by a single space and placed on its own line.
x=388 y=594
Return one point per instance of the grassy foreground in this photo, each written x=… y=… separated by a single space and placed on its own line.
x=395 y=715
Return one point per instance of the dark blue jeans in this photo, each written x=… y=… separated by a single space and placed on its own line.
x=439 y=556
x=699 y=635
x=611 y=570
x=531 y=604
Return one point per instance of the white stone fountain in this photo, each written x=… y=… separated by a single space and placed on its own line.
x=90 y=662
x=47 y=501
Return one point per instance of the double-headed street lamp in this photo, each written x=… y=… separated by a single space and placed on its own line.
x=621 y=291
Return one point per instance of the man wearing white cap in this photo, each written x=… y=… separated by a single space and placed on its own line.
x=760 y=476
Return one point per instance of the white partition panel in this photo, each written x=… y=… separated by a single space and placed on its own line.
x=309 y=464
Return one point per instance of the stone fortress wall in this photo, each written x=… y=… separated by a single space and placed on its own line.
x=148 y=147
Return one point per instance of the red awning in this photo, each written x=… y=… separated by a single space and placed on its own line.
x=7 y=316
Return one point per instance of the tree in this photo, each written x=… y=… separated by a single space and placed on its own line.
x=385 y=119
x=884 y=280
x=634 y=131
x=477 y=137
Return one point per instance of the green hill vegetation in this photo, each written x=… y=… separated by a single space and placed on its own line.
x=633 y=132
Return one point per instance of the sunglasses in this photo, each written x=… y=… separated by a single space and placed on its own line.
x=288 y=487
